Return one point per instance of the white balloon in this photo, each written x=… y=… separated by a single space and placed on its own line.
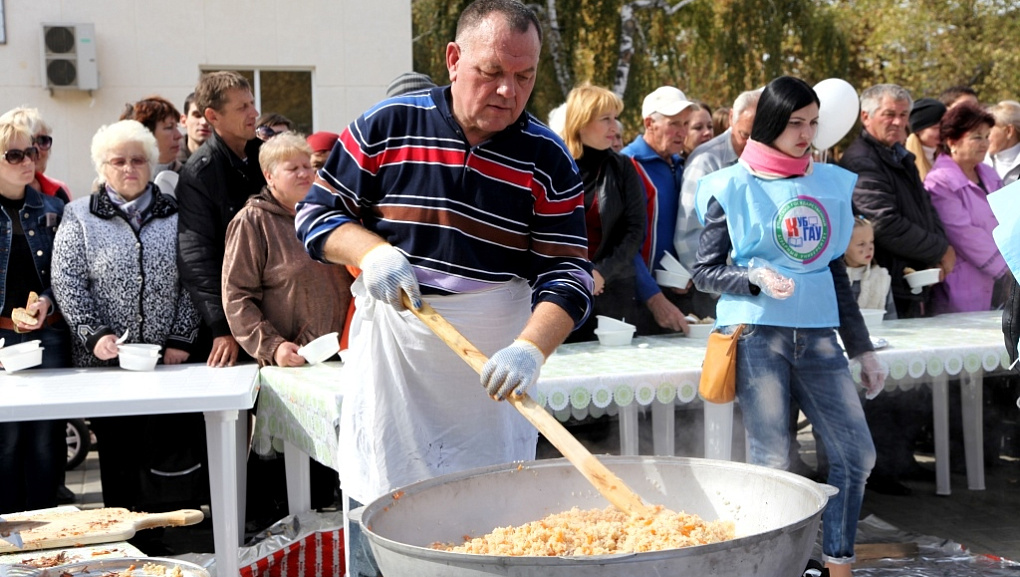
x=840 y=107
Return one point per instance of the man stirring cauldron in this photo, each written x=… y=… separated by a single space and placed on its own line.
x=458 y=195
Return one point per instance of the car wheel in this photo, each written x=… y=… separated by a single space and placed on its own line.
x=79 y=442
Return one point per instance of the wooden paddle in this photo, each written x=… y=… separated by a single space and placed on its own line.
x=74 y=528
x=605 y=481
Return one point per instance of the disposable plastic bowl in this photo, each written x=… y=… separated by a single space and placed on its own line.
x=922 y=278
x=139 y=349
x=873 y=317
x=22 y=347
x=670 y=263
x=700 y=330
x=136 y=362
x=15 y=360
x=672 y=279
x=321 y=348
x=611 y=324
x=614 y=337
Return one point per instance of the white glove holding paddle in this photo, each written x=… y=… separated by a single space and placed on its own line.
x=387 y=274
x=873 y=374
x=769 y=280
x=512 y=370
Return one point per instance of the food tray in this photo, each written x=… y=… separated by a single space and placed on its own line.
x=121 y=567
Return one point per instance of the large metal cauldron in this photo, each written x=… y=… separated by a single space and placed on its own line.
x=776 y=515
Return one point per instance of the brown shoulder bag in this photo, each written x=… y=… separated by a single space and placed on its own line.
x=719 y=370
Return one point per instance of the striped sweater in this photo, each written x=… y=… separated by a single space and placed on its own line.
x=467 y=218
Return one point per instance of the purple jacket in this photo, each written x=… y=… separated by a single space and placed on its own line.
x=969 y=221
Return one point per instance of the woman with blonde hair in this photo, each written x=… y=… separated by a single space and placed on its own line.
x=700 y=129
x=924 y=136
x=276 y=297
x=614 y=201
x=1004 y=141
x=32 y=453
x=43 y=141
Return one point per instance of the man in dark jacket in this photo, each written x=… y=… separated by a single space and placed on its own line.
x=214 y=184
x=889 y=193
x=908 y=233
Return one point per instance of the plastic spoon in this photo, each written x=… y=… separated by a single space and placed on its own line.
x=124 y=337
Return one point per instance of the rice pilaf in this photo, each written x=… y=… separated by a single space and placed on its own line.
x=596 y=532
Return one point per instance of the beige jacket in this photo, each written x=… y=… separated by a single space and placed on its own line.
x=272 y=290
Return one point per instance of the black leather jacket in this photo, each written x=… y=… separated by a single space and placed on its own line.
x=1011 y=321
x=713 y=274
x=621 y=200
x=889 y=193
x=214 y=185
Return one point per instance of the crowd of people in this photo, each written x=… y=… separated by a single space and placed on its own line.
x=239 y=240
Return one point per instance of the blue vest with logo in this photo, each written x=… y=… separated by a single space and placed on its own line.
x=799 y=225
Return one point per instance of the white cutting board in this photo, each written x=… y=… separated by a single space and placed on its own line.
x=75 y=528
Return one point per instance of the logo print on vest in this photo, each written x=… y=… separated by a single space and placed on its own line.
x=802 y=229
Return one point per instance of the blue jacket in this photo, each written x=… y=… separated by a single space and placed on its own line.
x=39 y=219
x=662 y=189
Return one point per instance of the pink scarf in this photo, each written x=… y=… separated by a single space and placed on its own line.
x=769 y=162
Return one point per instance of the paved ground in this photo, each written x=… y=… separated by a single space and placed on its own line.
x=983 y=521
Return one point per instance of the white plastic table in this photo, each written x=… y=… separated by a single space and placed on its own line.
x=299 y=414
x=659 y=372
x=220 y=393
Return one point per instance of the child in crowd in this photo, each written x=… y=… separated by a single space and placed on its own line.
x=869 y=282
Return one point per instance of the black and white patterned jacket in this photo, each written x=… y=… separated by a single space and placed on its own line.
x=108 y=278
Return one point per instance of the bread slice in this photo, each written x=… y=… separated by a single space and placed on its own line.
x=21 y=315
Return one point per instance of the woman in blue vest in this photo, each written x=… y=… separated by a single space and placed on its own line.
x=785 y=222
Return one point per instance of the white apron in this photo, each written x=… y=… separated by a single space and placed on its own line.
x=412 y=409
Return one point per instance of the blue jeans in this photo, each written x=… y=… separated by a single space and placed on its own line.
x=777 y=364
x=362 y=561
x=33 y=453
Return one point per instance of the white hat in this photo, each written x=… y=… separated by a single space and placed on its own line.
x=666 y=100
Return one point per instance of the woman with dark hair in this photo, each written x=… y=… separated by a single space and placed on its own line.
x=614 y=202
x=786 y=222
x=161 y=118
x=959 y=183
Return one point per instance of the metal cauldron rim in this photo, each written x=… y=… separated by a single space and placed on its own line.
x=387 y=500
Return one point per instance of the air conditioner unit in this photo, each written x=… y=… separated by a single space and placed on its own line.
x=69 y=57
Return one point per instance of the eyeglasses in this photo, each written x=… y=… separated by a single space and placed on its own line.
x=14 y=156
x=43 y=141
x=135 y=161
x=266 y=132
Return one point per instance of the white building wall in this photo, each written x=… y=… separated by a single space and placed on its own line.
x=354 y=48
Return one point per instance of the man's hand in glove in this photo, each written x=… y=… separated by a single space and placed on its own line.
x=387 y=274
x=512 y=369
x=769 y=280
x=873 y=374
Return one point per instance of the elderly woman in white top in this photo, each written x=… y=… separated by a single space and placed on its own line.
x=115 y=271
x=1004 y=141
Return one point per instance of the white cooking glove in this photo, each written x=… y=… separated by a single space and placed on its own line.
x=387 y=274
x=873 y=373
x=769 y=280
x=513 y=369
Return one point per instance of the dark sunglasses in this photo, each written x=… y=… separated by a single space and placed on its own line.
x=43 y=141
x=266 y=132
x=18 y=156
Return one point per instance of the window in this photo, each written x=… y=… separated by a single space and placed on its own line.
x=286 y=92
